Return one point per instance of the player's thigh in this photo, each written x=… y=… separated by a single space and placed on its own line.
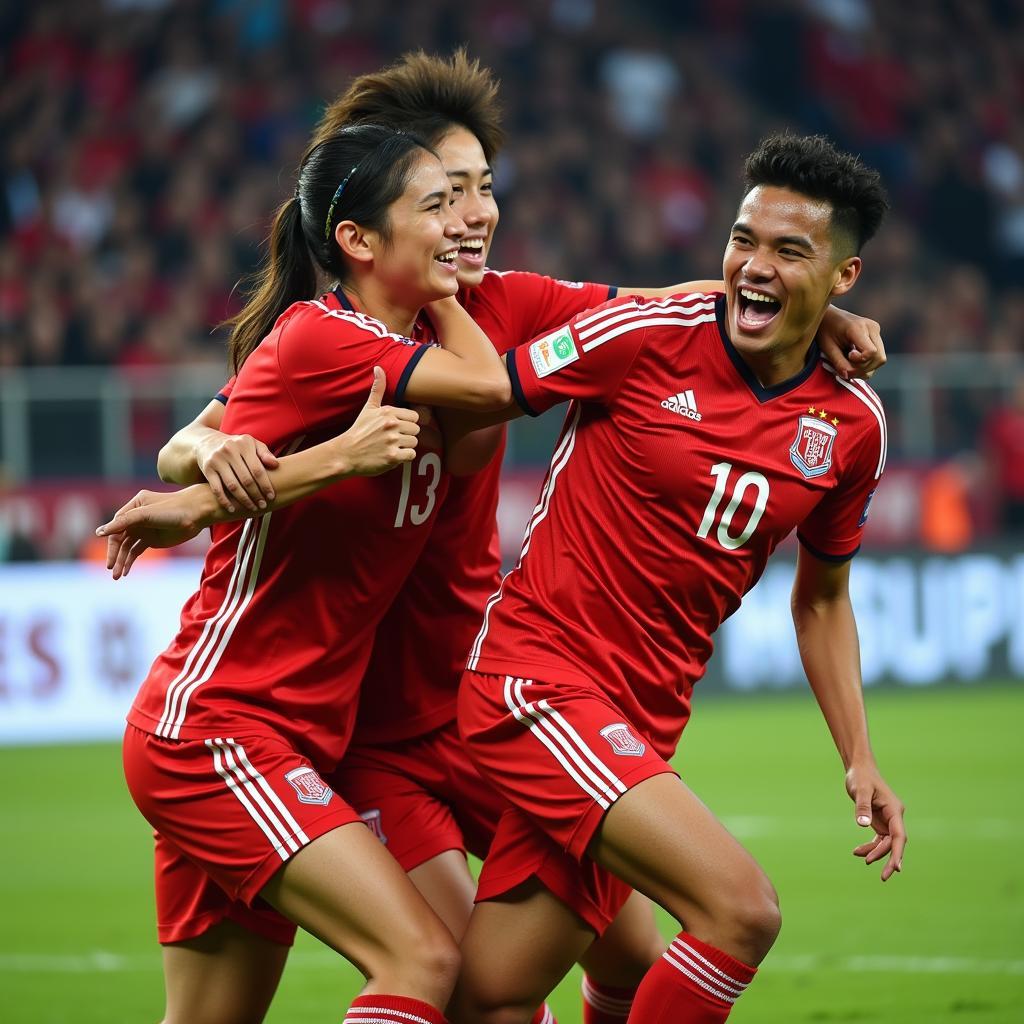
x=346 y=889
x=631 y=943
x=661 y=839
x=445 y=883
x=517 y=948
x=227 y=975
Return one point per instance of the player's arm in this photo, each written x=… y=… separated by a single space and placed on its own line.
x=826 y=633
x=466 y=372
x=379 y=439
x=234 y=465
x=852 y=344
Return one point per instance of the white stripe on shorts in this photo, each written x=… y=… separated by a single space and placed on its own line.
x=565 y=744
x=249 y=786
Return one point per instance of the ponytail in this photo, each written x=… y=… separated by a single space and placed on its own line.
x=288 y=276
x=354 y=174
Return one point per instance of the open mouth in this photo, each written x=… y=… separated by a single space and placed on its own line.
x=447 y=259
x=756 y=309
x=472 y=250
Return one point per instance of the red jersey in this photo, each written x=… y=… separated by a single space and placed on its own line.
x=421 y=645
x=675 y=477
x=281 y=627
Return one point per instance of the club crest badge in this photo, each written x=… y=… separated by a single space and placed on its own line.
x=622 y=741
x=811 y=450
x=372 y=821
x=310 y=787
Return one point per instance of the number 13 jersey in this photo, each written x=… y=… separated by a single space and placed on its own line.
x=675 y=477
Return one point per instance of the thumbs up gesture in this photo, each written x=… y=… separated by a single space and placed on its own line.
x=382 y=436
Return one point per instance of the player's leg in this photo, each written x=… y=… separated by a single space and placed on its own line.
x=517 y=948
x=222 y=959
x=617 y=962
x=661 y=839
x=227 y=975
x=346 y=889
x=445 y=883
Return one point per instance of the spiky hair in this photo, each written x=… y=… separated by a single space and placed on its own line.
x=813 y=166
x=426 y=94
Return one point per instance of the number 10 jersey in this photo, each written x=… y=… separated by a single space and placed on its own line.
x=675 y=477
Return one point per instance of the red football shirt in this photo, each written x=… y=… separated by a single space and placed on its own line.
x=281 y=627
x=675 y=477
x=421 y=645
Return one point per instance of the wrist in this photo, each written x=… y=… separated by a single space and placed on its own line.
x=340 y=463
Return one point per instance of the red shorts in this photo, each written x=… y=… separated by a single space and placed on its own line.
x=561 y=754
x=421 y=796
x=235 y=810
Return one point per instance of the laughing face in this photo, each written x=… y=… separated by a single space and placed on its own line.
x=471 y=179
x=781 y=271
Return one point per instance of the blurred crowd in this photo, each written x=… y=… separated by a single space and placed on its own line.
x=145 y=144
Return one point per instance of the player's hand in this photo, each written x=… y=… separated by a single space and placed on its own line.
x=852 y=344
x=235 y=467
x=878 y=808
x=382 y=436
x=150 y=520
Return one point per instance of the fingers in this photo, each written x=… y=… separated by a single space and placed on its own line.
x=377 y=388
x=267 y=457
x=217 y=486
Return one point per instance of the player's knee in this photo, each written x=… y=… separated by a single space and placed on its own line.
x=756 y=918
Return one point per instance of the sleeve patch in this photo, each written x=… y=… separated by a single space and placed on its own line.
x=553 y=352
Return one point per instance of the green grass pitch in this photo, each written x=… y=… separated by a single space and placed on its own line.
x=944 y=942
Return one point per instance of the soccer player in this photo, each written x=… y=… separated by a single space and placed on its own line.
x=702 y=429
x=406 y=770
x=240 y=719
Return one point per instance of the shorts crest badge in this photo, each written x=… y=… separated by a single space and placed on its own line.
x=372 y=821
x=622 y=741
x=811 y=450
x=309 y=786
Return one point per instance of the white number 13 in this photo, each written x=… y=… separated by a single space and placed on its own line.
x=419 y=514
x=721 y=473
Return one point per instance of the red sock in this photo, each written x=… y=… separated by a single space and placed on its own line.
x=543 y=1016
x=692 y=983
x=379 y=1009
x=604 y=1004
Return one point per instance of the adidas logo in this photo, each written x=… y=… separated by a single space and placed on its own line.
x=683 y=403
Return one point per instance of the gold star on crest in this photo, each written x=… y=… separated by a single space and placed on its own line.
x=835 y=422
x=812 y=410
x=822 y=415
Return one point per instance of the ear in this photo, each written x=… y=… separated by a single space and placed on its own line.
x=848 y=271
x=356 y=243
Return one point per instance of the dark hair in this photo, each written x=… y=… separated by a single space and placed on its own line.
x=426 y=94
x=814 y=167
x=355 y=174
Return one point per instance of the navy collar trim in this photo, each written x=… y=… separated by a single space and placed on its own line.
x=346 y=303
x=761 y=393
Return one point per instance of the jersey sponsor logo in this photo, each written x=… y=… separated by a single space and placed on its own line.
x=622 y=741
x=553 y=352
x=811 y=450
x=683 y=404
x=309 y=786
x=372 y=821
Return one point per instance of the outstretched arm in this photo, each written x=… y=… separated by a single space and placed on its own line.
x=851 y=343
x=380 y=439
x=826 y=632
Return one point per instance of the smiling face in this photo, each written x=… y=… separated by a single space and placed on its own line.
x=780 y=272
x=472 y=181
x=417 y=262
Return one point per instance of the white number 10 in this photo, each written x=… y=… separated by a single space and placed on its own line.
x=419 y=514
x=721 y=473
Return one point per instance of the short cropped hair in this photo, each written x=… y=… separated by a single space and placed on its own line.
x=814 y=167
x=424 y=94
